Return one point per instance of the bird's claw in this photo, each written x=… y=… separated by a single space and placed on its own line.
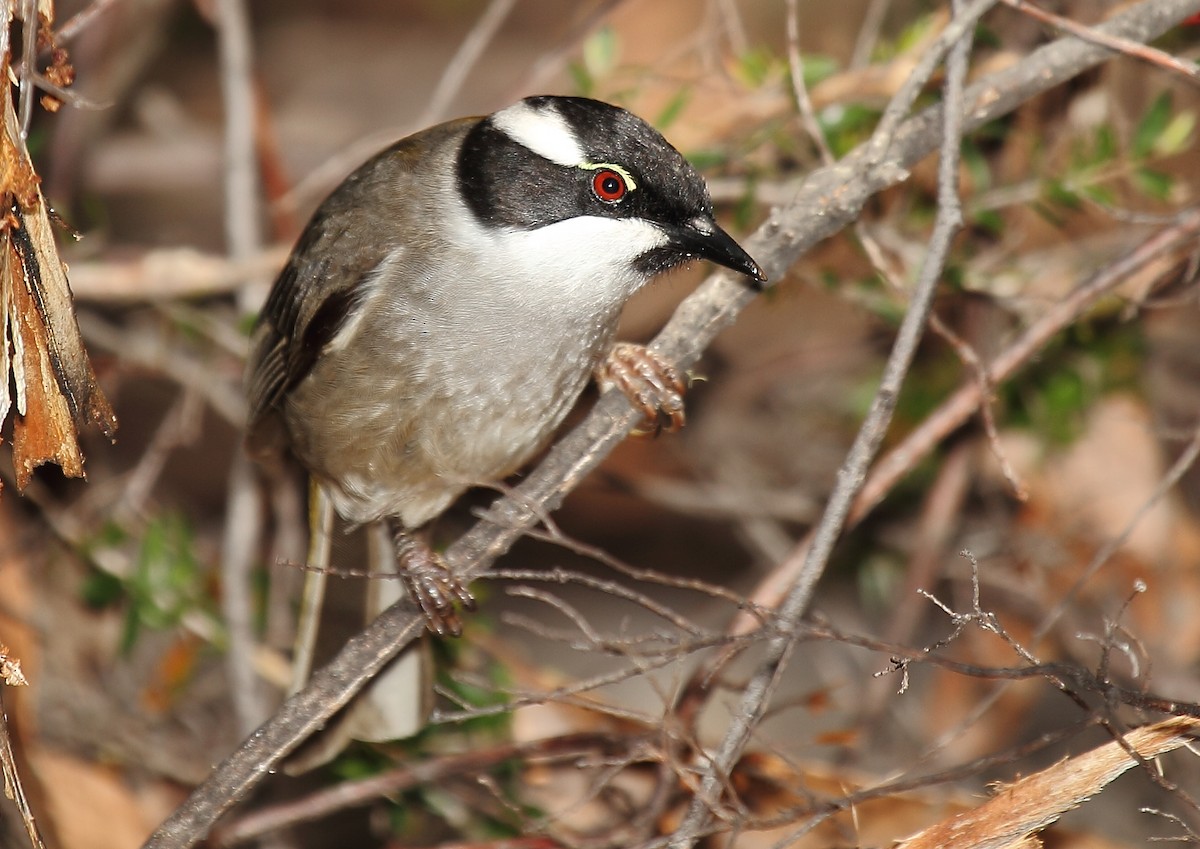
x=653 y=385
x=433 y=586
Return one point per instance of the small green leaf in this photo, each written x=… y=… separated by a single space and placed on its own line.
x=1104 y=146
x=1102 y=195
x=707 y=159
x=756 y=66
x=100 y=590
x=673 y=109
x=1064 y=400
x=977 y=165
x=817 y=67
x=914 y=35
x=1048 y=213
x=990 y=221
x=584 y=84
x=1152 y=125
x=166 y=582
x=1156 y=184
x=600 y=52
x=1177 y=135
x=846 y=125
x=1057 y=192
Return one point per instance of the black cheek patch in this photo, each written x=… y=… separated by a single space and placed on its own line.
x=505 y=185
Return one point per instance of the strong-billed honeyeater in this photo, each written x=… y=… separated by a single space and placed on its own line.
x=447 y=303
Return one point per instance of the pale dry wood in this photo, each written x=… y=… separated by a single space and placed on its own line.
x=1019 y=810
x=168 y=274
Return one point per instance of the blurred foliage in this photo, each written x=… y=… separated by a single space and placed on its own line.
x=166 y=583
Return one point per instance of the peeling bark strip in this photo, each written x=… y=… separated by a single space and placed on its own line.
x=40 y=344
x=1017 y=811
x=46 y=281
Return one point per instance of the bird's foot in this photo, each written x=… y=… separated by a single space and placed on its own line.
x=431 y=584
x=652 y=385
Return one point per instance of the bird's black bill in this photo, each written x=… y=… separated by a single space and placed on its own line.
x=702 y=238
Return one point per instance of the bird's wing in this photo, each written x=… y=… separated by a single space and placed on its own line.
x=319 y=287
x=352 y=232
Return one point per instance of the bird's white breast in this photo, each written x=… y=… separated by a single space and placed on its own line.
x=490 y=336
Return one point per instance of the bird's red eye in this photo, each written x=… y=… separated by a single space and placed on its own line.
x=608 y=185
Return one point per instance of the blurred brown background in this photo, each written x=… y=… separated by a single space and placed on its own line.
x=110 y=589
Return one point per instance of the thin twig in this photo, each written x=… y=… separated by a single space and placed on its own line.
x=753 y=703
x=960 y=406
x=464 y=59
x=1178 y=469
x=29 y=31
x=243 y=232
x=986 y=390
x=800 y=89
x=1145 y=52
x=319 y=179
x=901 y=104
x=10 y=675
x=868 y=33
x=347 y=794
x=180 y=426
x=82 y=19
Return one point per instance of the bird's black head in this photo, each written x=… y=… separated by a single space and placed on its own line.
x=550 y=159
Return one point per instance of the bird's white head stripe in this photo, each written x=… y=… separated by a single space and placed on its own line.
x=544 y=131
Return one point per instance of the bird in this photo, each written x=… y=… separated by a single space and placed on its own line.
x=447 y=304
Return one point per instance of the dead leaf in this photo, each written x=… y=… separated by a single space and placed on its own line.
x=10 y=669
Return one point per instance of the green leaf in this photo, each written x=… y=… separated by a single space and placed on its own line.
x=1152 y=126
x=1176 y=137
x=989 y=220
x=167 y=580
x=246 y=324
x=914 y=35
x=600 y=52
x=756 y=66
x=707 y=159
x=1102 y=195
x=100 y=590
x=1104 y=146
x=1156 y=184
x=1057 y=192
x=846 y=125
x=1064 y=400
x=817 y=67
x=977 y=165
x=673 y=109
x=584 y=84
